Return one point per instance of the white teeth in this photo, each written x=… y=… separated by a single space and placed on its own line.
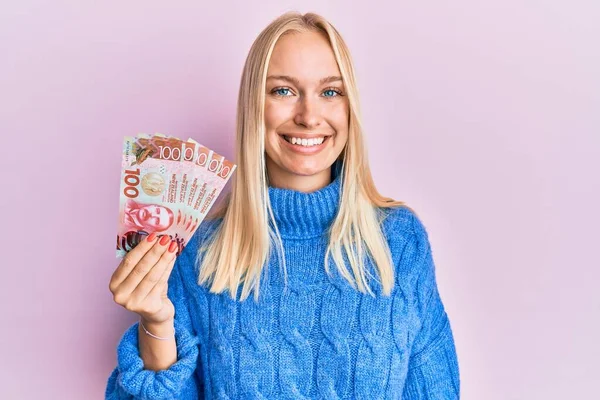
x=307 y=142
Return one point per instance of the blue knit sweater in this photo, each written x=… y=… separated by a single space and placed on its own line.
x=319 y=339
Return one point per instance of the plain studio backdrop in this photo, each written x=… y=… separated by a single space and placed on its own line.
x=483 y=115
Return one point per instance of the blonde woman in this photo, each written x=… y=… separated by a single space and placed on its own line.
x=306 y=283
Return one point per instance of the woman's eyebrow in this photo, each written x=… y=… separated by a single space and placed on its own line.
x=296 y=82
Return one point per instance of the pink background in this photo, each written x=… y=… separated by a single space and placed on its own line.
x=484 y=116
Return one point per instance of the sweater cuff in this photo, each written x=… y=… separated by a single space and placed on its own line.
x=163 y=384
x=434 y=373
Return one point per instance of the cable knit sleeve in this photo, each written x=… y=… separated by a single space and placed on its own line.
x=433 y=371
x=129 y=380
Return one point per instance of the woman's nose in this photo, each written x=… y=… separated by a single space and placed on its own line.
x=309 y=113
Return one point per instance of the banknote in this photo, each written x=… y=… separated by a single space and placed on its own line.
x=201 y=183
x=205 y=188
x=167 y=186
x=187 y=157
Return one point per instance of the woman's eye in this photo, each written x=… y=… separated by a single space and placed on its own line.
x=332 y=91
x=283 y=92
x=278 y=91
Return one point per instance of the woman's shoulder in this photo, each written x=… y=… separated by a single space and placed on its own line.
x=402 y=221
x=408 y=240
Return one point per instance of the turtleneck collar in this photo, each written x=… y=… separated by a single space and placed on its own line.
x=301 y=215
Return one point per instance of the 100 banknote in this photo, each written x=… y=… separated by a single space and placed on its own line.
x=168 y=185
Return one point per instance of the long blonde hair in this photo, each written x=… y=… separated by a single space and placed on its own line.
x=239 y=248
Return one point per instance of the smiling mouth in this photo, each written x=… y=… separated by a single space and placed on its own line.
x=289 y=140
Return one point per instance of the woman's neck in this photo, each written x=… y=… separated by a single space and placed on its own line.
x=308 y=214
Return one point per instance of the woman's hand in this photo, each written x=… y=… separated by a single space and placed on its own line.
x=140 y=281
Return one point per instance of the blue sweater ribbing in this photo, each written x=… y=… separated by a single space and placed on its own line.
x=316 y=339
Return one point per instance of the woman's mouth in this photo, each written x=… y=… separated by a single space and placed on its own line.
x=305 y=145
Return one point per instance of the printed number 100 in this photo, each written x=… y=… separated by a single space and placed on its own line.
x=132 y=179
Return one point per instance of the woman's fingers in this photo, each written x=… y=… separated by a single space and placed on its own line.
x=155 y=275
x=160 y=288
x=130 y=260
x=144 y=265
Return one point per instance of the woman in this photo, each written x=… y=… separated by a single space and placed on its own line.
x=347 y=307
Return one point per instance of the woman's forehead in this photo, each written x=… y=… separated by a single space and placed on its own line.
x=306 y=57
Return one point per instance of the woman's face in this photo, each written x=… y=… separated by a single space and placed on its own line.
x=305 y=101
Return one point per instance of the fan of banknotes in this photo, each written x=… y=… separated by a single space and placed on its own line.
x=168 y=185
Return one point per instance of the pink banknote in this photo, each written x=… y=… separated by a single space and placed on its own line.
x=167 y=186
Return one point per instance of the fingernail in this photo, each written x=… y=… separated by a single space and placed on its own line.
x=173 y=246
x=151 y=237
x=164 y=240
